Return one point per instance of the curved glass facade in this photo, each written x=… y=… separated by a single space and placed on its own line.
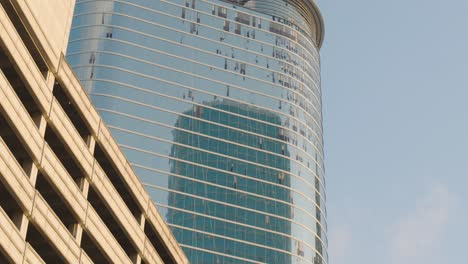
x=218 y=108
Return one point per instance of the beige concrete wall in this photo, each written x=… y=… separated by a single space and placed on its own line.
x=50 y=22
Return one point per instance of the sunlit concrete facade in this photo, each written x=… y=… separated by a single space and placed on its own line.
x=217 y=106
x=67 y=192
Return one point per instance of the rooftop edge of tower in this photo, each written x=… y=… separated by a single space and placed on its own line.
x=308 y=9
x=319 y=22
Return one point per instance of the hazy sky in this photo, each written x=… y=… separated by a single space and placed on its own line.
x=395 y=85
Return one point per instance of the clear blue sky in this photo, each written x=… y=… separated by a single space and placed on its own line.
x=395 y=85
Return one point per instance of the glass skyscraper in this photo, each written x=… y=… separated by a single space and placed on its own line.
x=239 y=160
x=217 y=105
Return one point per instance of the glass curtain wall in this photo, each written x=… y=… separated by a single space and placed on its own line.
x=217 y=106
